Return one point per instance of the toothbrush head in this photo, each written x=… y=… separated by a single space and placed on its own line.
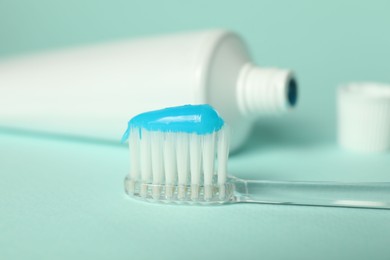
x=179 y=155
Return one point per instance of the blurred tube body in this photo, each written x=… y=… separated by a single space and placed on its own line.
x=94 y=90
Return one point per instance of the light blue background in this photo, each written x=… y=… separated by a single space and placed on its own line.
x=63 y=198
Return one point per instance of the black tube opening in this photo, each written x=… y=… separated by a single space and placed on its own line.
x=292 y=92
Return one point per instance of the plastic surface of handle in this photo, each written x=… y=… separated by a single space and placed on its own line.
x=332 y=194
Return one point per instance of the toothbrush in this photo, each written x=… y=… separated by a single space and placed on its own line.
x=180 y=154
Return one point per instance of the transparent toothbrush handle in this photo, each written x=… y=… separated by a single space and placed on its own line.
x=332 y=194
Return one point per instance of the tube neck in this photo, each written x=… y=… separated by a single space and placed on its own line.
x=263 y=91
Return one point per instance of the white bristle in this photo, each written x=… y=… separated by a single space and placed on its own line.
x=169 y=163
x=146 y=159
x=182 y=144
x=179 y=164
x=208 y=155
x=222 y=155
x=157 y=163
x=134 y=156
x=195 y=164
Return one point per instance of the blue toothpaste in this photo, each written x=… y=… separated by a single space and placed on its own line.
x=199 y=119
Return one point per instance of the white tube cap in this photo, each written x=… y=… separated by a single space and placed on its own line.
x=364 y=117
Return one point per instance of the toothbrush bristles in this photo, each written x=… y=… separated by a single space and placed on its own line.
x=183 y=167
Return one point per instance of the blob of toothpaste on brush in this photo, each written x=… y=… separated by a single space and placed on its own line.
x=179 y=155
x=173 y=153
